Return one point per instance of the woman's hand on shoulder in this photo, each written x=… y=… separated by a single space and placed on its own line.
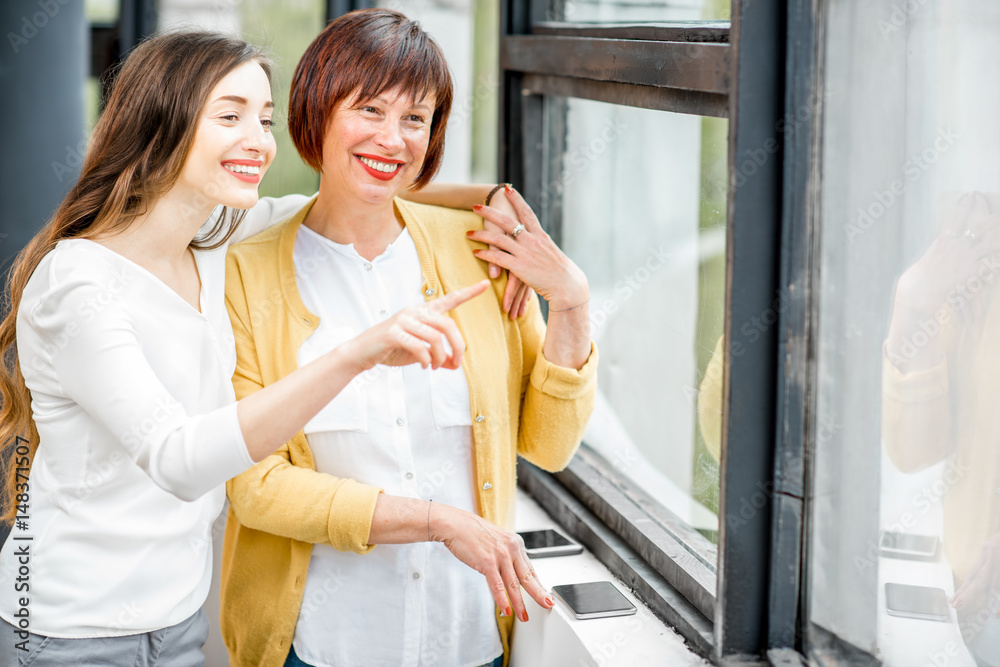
x=517 y=295
x=497 y=554
x=527 y=251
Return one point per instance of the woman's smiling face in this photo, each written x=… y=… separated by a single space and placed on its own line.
x=375 y=148
x=233 y=145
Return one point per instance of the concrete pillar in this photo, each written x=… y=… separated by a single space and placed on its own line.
x=44 y=57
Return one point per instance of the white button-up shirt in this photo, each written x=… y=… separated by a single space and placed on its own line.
x=408 y=430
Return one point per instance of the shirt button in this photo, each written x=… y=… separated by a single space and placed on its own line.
x=368 y=266
x=487 y=486
x=480 y=418
x=409 y=475
x=429 y=292
x=400 y=421
x=416 y=575
x=383 y=314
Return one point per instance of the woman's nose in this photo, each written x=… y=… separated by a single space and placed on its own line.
x=255 y=138
x=389 y=137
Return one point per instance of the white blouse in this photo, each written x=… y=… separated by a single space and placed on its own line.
x=408 y=430
x=132 y=396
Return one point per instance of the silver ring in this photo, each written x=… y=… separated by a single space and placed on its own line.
x=970 y=236
x=517 y=230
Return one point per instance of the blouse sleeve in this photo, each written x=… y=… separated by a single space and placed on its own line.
x=100 y=364
x=268 y=211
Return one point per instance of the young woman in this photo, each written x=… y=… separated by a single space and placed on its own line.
x=301 y=581
x=119 y=358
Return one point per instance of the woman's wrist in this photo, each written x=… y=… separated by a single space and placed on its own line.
x=440 y=522
x=570 y=298
x=348 y=356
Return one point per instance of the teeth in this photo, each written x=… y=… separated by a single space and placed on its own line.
x=242 y=169
x=379 y=166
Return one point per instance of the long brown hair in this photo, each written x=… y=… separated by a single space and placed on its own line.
x=136 y=154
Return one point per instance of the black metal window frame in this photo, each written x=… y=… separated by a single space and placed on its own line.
x=748 y=605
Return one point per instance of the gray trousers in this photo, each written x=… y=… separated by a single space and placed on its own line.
x=176 y=646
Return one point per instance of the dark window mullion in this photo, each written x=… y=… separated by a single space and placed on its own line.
x=687 y=66
x=752 y=281
x=708 y=31
x=630 y=95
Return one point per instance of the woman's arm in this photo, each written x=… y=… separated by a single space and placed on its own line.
x=274 y=414
x=449 y=195
x=495 y=553
x=534 y=258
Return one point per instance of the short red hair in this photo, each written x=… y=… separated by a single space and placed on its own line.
x=368 y=52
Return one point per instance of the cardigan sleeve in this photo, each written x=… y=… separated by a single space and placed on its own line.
x=556 y=402
x=276 y=495
x=916 y=415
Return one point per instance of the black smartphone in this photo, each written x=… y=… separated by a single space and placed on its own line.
x=545 y=543
x=909 y=546
x=922 y=602
x=596 y=599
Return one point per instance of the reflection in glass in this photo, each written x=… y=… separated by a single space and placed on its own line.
x=907 y=453
x=643 y=195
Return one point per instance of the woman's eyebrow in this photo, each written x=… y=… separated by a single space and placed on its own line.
x=240 y=100
x=416 y=105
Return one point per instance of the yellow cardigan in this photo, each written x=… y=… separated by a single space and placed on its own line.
x=521 y=405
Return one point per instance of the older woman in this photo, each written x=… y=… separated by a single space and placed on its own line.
x=302 y=581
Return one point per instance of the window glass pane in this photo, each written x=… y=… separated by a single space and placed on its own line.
x=628 y=11
x=284 y=28
x=101 y=15
x=907 y=454
x=101 y=11
x=644 y=201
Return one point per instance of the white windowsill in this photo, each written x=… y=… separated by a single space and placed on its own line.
x=556 y=638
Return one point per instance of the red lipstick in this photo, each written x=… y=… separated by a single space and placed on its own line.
x=375 y=173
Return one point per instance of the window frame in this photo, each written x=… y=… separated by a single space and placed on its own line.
x=737 y=73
